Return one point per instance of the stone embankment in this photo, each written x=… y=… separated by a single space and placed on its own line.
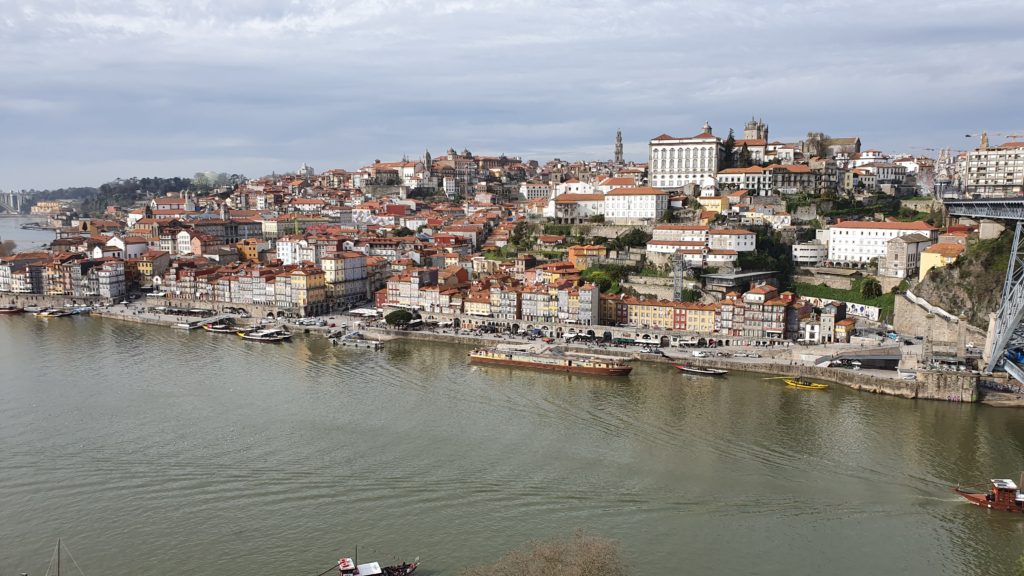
x=929 y=385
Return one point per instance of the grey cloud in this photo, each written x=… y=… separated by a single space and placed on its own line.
x=110 y=88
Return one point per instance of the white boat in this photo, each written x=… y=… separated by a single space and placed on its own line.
x=701 y=371
x=267 y=335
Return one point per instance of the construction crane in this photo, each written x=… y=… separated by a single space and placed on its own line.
x=984 y=136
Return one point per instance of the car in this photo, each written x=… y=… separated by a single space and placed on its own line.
x=908 y=342
x=753 y=355
x=699 y=354
x=740 y=354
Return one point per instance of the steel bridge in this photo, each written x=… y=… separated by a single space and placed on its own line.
x=1008 y=332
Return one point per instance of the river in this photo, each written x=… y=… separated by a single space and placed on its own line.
x=10 y=229
x=155 y=450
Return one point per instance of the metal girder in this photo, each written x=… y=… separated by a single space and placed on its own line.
x=994 y=208
x=1011 y=306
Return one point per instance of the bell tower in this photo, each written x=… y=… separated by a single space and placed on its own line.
x=618 y=148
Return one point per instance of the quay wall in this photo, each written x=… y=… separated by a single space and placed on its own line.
x=43 y=300
x=929 y=385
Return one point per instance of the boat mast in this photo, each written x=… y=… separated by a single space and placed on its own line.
x=58 y=556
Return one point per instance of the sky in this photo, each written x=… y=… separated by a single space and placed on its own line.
x=100 y=89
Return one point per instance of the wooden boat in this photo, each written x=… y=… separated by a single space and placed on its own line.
x=348 y=567
x=551 y=359
x=1003 y=495
x=700 y=371
x=802 y=385
x=266 y=335
x=11 y=310
x=221 y=328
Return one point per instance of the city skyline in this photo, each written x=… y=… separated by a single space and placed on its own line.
x=119 y=90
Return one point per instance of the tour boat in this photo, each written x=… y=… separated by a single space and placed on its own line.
x=34 y=309
x=802 y=385
x=11 y=310
x=221 y=328
x=550 y=360
x=347 y=567
x=701 y=371
x=1003 y=495
x=267 y=335
x=54 y=313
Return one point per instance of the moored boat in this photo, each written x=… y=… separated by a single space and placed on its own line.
x=221 y=328
x=549 y=360
x=801 y=384
x=1002 y=495
x=700 y=371
x=11 y=310
x=266 y=335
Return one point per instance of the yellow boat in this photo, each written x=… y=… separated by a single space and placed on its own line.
x=799 y=383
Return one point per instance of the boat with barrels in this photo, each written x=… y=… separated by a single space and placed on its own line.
x=1002 y=494
x=802 y=384
x=552 y=359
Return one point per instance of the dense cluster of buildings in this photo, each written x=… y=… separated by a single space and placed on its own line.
x=429 y=234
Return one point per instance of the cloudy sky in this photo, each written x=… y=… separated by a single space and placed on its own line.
x=99 y=89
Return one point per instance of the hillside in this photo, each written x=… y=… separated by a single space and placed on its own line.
x=972 y=286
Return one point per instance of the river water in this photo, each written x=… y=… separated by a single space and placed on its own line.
x=10 y=229
x=154 y=450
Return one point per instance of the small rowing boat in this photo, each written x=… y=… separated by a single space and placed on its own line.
x=701 y=371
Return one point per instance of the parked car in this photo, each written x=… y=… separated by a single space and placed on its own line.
x=700 y=354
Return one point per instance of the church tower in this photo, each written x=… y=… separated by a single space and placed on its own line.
x=618 y=148
x=755 y=130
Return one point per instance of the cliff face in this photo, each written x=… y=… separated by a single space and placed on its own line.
x=973 y=285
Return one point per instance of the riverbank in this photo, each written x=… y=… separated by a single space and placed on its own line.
x=930 y=385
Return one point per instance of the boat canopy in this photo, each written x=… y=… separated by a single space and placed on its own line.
x=369 y=569
x=1004 y=484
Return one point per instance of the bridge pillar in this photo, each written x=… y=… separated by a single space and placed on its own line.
x=1011 y=306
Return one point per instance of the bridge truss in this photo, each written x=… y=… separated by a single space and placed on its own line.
x=1009 y=333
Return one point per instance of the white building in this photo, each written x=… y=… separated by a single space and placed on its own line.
x=997 y=171
x=635 y=205
x=676 y=162
x=861 y=242
x=755 y=178
x=732 y=239
x=810 y=253
x=534 y=190
x=572 y=186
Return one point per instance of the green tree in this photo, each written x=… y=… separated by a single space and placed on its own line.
x=729 y=152
x=636 y=237
x=871 y=288
x=520 y=235
x=399 y=318
x=403 y=231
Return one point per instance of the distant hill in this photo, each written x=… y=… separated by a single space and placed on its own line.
x=972 y=286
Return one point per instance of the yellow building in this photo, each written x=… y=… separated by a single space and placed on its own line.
x=478 y=303
x=938 y=256
x=700 y=318
x=581 y=256
x=651 y=314
x=716 y=204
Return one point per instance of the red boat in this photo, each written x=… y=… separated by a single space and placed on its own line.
x=1004 y=495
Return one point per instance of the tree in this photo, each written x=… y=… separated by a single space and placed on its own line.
x=745 y=159
x=636 y=237
x=399 y=318
x=521 y=235
x=7 y=247
x=581 y=555
x=871 y=288
x=403 y=231
x=729 y=152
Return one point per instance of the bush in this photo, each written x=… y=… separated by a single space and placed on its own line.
x=580 y=555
